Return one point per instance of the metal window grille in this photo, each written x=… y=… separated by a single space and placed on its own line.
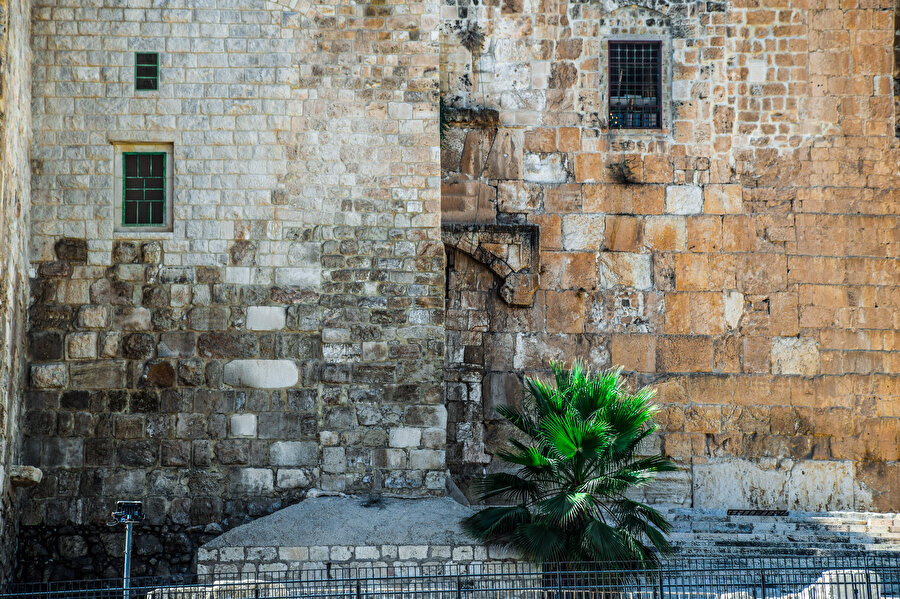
x=635 y=76
x=144 y=189
x=146 y=71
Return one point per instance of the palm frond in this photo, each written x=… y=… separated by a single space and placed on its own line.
x=518 y=418
x=506 y=486
x=579 y=459
x=496 y=523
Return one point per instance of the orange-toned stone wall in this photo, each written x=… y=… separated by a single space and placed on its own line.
x=746 y=266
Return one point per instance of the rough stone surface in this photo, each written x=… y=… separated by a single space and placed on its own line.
x=266 y=318
x=744 y=263
x=306 y=239
x=15 y=235
x=261 y=374
x=348 y=521
x=740 y=258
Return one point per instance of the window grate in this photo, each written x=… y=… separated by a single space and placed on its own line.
x=144 y=193
x=146 y=71
x=754 y=512
x=635 y=75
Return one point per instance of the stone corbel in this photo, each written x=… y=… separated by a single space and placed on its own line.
x=24 y=476
x=512 y=252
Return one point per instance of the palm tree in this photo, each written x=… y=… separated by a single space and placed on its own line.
x=567 y=501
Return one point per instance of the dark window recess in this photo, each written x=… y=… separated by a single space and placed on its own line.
x=146 y=71
x=635 y=76
x=144 y=194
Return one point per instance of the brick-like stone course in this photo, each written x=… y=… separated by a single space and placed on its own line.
x=275 y=340
x=741 y=258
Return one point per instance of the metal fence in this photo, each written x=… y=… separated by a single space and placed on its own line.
x=771 y=577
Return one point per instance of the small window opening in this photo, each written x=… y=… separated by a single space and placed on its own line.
x=146 y=71
x=144 y=194
x=635 y=85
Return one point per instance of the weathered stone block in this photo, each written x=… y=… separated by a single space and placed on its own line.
x=228 y=345
x=92 y=317
x=125 y=252
x=795 y=355
x=251 y=481
x=99 y=374
x=45 y=345
x=261 y=374
x=243 y=425
x=138 y=346
x=158 y=373
x=49 y=376
x=551 y=167
x=266 y=318
x=81 y=345
x=684 y=199
x=405 y=437
x=208 y=319
x=294 y=453
x=292 y=478
x=71 y=250
x=105 y=291
x=132 y=319
x=176 y=344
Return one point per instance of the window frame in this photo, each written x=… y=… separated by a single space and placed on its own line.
x=619 y=29
x=125 y=155
x=118 y=188
x=658 y=76
x=139 y=77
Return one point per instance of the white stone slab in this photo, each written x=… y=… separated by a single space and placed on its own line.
x=261 y=374
x=266 y=318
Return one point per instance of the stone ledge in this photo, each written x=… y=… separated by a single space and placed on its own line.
x=25 y=476
x=512 y=252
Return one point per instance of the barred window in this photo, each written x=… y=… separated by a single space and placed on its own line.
x=146 y=71
x=144 y=193
x=635 y=85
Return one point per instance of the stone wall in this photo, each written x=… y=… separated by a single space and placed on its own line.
x=15 y=133
x=742 y=259
x=224 y=563
x=288 y=333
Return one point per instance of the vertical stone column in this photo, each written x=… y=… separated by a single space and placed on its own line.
x=15 y=137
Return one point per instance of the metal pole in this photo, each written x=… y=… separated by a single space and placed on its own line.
x=126 y=583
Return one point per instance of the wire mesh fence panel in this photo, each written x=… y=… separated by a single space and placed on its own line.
x=772 y=577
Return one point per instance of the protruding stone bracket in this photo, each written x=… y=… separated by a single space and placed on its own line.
x=512 y=252
x=25 y=476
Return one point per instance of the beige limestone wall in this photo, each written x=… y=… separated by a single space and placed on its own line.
x=747 y=267
x=15 y=136
x=287 y=334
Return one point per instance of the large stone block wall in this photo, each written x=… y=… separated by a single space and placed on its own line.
x=15 y=132
x=745 y=262
x=288 y=333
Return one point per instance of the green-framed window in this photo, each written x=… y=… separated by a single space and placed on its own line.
x=144 y=189
x=146 y=71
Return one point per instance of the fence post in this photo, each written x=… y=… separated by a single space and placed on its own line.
x=358 y=591
x=762 y=583
x=660 y=584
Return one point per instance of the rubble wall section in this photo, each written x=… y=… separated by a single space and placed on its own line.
x=287 y=334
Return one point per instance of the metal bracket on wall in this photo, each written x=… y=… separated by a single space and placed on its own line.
x=512 y=252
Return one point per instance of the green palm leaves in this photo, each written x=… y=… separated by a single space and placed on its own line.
x=567 y=497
